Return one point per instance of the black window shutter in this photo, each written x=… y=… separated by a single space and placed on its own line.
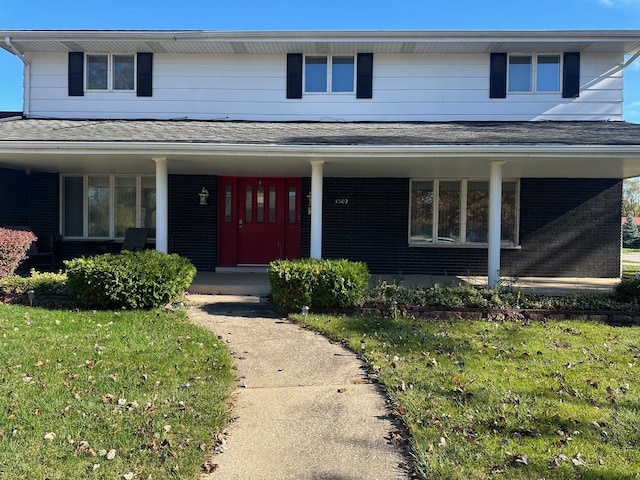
x=498 y=76
x=364 y=84
x=76 y=74
x=145 y=74
x=294 y=75
x=571 y=75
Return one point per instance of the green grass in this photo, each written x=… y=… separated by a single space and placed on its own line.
x=78 y=387
x=486 y=400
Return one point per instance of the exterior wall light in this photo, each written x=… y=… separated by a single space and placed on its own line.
x=204 y=196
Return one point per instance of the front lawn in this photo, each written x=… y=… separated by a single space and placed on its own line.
x=108 y=395
x=507 y=400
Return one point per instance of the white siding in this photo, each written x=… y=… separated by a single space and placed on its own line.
x=406 y=87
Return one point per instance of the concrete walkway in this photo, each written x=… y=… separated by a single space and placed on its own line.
x=304 y=407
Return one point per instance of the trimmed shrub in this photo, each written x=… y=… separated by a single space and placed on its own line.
x=145 y=279
x=628 y=290
x=14 y=245
x=317 y=283
x=45 y=283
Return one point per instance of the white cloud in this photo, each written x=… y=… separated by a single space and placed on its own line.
x=620 y=3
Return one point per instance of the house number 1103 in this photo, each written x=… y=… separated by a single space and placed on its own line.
x=342 y=201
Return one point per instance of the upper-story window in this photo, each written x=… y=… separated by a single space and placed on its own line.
x=110 y=72
x=334 y=74
x=524 y=73
x=534 y=73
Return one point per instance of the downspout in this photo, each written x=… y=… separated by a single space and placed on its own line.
x=26 y=73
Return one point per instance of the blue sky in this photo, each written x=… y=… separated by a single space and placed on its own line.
x=306 y=15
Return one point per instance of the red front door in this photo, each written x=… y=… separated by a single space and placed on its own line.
x=259 y=220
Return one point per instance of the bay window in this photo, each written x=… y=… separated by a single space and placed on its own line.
x=456 y=212
x=104 y=206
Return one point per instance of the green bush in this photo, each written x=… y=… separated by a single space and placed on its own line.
x=45 y=283
x=317 y=283
x=469 y=296
x=628 y=290
x=145 y=279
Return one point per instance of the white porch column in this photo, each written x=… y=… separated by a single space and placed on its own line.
x=162 y=205
x=316 y=208
x=495 y=222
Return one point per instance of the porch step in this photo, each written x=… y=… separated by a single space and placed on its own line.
x=254 y=283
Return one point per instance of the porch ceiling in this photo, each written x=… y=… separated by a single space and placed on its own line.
x=530 y=149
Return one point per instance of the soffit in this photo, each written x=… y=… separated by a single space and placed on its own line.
x=338 y=42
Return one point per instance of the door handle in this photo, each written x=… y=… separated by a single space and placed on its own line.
x=240 y=223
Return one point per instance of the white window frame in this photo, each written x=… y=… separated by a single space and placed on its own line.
x=329 y=90
x=112 y=194
x=534 y=73
x=463 y=214
x=110 y=73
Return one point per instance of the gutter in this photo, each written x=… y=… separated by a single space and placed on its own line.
x=26 y=73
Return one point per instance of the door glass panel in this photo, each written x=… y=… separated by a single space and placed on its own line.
x=260 y=204
x=292 y=204
x=272 y=204
x=248 y=204
x=227 y=203
x=449 y=212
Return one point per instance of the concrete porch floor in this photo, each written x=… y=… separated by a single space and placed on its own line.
x=256 y=283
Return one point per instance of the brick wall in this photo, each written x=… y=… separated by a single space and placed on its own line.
x=30 y=200
x=193 y=227
x=568 y=227
x=13 y=197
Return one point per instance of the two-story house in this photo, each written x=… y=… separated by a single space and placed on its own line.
x=460 y=152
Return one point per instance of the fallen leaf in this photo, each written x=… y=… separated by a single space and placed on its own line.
x=577 y=460
x=49 y=436
x=128 y=476
x=209 y=467
x=402 y=410
x=111 y=454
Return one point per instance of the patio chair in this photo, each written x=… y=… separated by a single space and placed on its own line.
x=135 y=239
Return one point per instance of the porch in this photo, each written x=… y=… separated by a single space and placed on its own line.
x=256 y=283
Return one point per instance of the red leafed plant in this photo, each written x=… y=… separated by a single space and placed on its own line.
x=14 y=245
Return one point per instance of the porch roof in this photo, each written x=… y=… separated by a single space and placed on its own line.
x=531 y=149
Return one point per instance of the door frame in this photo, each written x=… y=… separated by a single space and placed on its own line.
x=228 y=215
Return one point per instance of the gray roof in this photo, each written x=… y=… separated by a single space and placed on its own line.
x=579 y=133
